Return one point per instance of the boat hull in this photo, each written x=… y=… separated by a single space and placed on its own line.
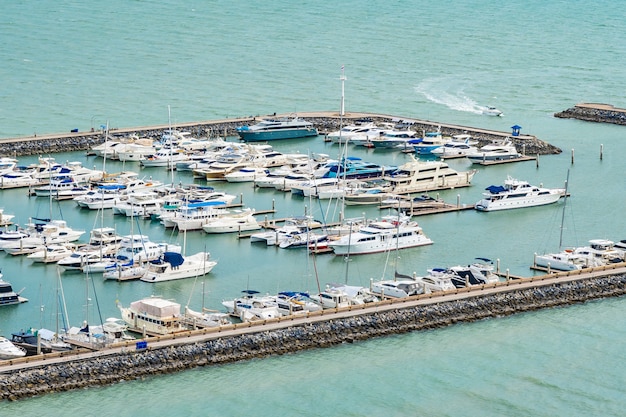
x=379 y=247
x=514 y=203
x=252 y=136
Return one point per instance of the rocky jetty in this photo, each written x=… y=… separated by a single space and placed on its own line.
x=324 y=122
x=139 y=364
x=592 y=112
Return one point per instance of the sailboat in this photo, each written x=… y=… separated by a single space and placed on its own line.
x=599 y=252
x=204 y=317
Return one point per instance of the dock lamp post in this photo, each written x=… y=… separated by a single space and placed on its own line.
x=93 y=118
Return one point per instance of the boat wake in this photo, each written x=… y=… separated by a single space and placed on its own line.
x=440 y=91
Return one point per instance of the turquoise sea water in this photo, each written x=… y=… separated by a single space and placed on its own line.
x=72 y=65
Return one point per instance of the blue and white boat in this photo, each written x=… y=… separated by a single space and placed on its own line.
x=430 y=142
x=274 y=129
x=354 y=168
x=459 y=146
x=393 y=139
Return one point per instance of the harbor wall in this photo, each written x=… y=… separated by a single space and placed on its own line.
x=594 y=112
x=324 y=121
x=137 y=364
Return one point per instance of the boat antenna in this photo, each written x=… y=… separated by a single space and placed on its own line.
x=563 y=215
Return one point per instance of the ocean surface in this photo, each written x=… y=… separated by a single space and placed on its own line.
x=75 y=65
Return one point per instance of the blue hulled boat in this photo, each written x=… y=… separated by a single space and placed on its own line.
x=273 y=129
x=355 y=168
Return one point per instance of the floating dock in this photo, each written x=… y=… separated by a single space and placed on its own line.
x=507 y=161
x=423 y=207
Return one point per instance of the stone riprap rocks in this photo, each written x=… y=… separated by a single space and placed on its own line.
x=593 y=112
x=139 y=364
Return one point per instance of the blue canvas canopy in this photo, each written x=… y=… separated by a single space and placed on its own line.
x=495 y=189
x=173 y=258
x=292 y=294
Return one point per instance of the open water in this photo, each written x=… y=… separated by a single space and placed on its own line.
x=70 y=64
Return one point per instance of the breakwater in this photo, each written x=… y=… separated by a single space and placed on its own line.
x=334 y=330
x=595 y=112
x=323 y=121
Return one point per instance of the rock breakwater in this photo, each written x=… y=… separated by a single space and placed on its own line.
x=591 y=112
x=139 y=364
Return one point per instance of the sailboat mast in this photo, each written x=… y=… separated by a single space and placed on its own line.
x=104 y=154
x=343 y=79
x=563 y=215
x=169 y=121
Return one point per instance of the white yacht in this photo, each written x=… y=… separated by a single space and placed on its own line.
x=292 y=225
x=517 y=194
x=380 y=236
x=459 y=146
x=17 y=180
x=477 y=273
x=304 y=239
x=50 y=253
x=347 y=133
x=313 y=187
x=393 y=139
x=137 y=150
x=202 y=319
x=226 y=163
x=8 y=296
x=246 y=174
x=235 y=221
x=429 y=142
x=139 y=204
x=396 y=288
x=10 y=351
x=332 y=297
x=7 y=165
x=6 y=219
x=251 y=306
x=80 y=259
x=293 y=302
x=125 y=271
x=165 y=157
x=60 y=185
x=421 y=176
x=173 y=265
x=435 y=283
x=153 y=315
x=495 y=151
x=192 y=216
x=287 y=182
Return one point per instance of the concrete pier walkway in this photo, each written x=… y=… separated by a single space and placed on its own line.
x=325 y=121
